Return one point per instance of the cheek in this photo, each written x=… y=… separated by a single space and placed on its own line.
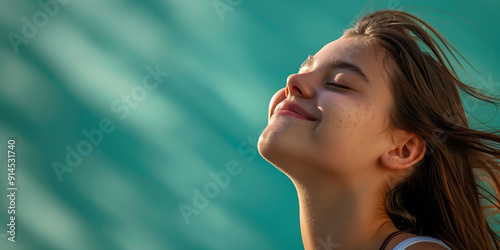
x=347 y=130
x=347 y=115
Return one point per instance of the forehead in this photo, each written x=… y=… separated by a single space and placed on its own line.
x=366 y=55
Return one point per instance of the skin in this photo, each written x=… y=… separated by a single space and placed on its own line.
x=344 y=163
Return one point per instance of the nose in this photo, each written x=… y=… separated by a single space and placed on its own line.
x=297 y=84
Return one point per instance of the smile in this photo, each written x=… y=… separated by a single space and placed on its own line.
x=284 y=112
x=290 y=108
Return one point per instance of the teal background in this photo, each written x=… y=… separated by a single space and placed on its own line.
x=207 y=113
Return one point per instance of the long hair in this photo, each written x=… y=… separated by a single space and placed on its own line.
x=441 y=197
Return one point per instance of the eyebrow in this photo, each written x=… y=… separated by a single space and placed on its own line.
x=336 y=64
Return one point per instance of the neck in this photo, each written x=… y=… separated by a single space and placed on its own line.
x=336 y=215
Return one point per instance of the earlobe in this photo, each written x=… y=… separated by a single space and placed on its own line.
x=406 y=154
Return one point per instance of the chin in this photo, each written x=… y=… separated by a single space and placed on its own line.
x=282 y=151
x=266 y=144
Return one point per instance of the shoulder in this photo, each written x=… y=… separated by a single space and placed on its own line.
x=426 y=246
x=414 y=242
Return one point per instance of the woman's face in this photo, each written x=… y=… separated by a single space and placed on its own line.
x=345 y=90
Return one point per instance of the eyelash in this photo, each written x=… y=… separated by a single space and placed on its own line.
x=337 y=85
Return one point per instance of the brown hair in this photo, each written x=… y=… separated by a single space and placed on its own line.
x=441 y=197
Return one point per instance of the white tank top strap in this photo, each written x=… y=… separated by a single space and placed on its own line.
x=410 y=241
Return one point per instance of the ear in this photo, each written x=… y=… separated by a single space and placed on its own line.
x=408 y=152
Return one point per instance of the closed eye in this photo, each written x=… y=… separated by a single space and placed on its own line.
x=337 y=85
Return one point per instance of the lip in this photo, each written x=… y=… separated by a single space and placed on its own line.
x=293 y=109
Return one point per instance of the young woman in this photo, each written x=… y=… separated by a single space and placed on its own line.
x=373 y=135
